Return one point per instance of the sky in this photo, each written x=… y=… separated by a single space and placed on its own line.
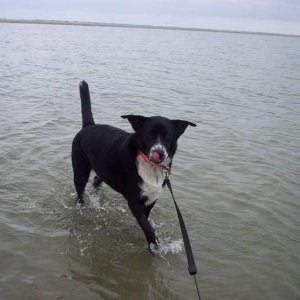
x=275 y=16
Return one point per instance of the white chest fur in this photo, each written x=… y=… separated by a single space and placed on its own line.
x=153 y=179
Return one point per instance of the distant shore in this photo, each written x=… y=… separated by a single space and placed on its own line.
x=99 y=24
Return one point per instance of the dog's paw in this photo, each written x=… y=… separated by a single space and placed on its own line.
x=79 y=201
x=154 y=249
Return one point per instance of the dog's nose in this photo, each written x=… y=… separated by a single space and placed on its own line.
x=157 y=155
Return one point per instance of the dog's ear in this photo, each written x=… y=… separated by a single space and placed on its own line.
x=136 y=121
x=181 y=125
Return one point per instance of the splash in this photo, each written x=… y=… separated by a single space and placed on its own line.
x=166 y=246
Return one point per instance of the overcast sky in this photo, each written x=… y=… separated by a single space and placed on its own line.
x=281 y=16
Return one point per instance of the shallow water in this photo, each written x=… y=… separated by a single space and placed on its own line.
x=236 y=175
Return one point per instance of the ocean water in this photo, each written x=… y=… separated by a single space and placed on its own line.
x=236 y=176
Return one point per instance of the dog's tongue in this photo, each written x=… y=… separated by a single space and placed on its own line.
x=155 y=157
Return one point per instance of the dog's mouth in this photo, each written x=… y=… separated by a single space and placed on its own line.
x=156 y=157
x=158 y=154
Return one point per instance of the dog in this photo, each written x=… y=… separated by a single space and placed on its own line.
x=132 y=164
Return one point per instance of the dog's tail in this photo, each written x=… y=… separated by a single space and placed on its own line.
x=86 y=110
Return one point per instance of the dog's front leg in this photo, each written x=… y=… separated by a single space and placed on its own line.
x=138 y=210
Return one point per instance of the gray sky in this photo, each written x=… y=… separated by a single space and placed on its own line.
x=281 y=16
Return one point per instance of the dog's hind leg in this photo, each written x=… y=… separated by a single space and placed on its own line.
x=81 y=169
x=97 y=181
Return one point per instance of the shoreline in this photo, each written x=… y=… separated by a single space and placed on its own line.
x=100 y=24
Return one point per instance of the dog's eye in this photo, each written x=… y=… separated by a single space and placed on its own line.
x=166 y=138
x=163 y=133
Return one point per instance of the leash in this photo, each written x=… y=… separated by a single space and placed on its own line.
x=187 y=245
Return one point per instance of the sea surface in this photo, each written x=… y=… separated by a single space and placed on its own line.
x=236 y=176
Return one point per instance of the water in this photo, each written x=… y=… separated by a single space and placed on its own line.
x=235 y=176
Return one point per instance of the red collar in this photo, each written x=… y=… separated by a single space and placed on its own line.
x=144 y=158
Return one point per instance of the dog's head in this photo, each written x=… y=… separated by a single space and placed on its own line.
x=157 y=137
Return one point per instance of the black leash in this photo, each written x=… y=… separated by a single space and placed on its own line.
x=187 y=245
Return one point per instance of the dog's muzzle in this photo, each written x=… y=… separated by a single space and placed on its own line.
x=158 y=154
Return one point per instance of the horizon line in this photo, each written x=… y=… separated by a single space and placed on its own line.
x=141 y=26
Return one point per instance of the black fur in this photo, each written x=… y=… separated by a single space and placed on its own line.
x=112 y=154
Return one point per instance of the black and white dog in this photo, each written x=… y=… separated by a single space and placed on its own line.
x=133 y=164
